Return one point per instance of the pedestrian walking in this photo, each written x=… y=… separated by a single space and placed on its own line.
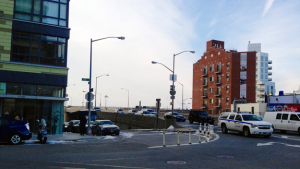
x=82 y=125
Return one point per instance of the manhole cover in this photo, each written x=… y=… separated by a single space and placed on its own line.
x=222 y=156
x=176 y=162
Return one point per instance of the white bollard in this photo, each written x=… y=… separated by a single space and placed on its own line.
x=190 y=142
x=210 y=132
x=200 y=128
x=178 y=138
x=164 y=141
x=206 y=135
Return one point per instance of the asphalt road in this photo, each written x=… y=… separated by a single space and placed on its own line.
x=143 y=149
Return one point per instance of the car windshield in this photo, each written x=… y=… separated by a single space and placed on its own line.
x=203 y=113
x=298 y=115
x=251 y=118
x=145 y=112
x=75 y=122
x=150 y=110
x=120 y=109
x=106 y=123
x=134 y=110
x=175 y=113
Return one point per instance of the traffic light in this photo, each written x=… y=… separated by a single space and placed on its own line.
x=172 y=90
x=92 y=89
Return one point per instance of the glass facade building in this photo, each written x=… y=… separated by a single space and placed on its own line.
x=33 y=61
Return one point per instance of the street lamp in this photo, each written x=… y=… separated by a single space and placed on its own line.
x=181 y=98
x=105 y=100
x=128 y=98
x=90 y=79
x=96 y=88
x=173 y=79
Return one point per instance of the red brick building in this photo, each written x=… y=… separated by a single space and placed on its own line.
x=221 y=76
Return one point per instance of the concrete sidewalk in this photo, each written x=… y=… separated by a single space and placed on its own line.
x=66 y=136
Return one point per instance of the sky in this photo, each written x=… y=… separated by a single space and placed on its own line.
x=155 y=30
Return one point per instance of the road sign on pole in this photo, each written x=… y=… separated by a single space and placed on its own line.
x=87 y=96
x=85 y=79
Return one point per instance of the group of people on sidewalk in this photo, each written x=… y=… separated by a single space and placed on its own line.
x=82 y=125
x=7 y=115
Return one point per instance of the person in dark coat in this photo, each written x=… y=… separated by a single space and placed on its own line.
x=6 y=115
x=82 y=125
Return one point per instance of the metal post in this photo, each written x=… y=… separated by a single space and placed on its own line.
x=182 y=101
x=178 y=138
x=173 y=86
x=199 y=137
x=190 y=142
x=164 y=141
x=89 y=98
x=206 y=136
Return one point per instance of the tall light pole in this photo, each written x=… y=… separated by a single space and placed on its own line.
x=96 y=88
x=105 y=100
x=90 y=80
x=181 y=98
x=173 y=78
x=128 y=98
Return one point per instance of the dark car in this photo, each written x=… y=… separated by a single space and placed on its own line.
x=77 y=126
x=71 y=126
x=105 y=127
x=176 y=115
x=65 y=126
x=201 y=117
x=14 y=131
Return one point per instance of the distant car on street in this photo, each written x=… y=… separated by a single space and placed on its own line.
x=105 y=127
x=176 y=115
x=65 y=126
x=132 y=111
x=201 y=117
x=152 y=111
x=119 y=111
x=14 y=131
x=71 y=126
x=146 y=113
x=97 y=108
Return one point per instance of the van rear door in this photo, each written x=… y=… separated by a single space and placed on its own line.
x=295 y=122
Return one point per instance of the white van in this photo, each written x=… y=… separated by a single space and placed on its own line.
x=284 y=121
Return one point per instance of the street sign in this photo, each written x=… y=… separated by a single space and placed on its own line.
x=85 y=79
x=171 y=77
x=87 y=96
x=172 y=97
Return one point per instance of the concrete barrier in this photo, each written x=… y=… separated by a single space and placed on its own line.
x=137 y=120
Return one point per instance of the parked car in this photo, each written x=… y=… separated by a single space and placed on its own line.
x=152 y=112
x=97 y=108
x=65 y=126
x=14 y=131
x=105 y=127
x=77 y=126
x=284 y=121
x=176 y=115
x=132 y=111
x=245 y=123
x=71 y=127
x=119 y=111
x=201 y=117
x=149 y=114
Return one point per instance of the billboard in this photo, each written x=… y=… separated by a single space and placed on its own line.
x=243 y=75
x=283 y=107
x=2 y=88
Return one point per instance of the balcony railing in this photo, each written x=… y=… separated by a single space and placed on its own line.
x=218 y=105
x=204 y=95
x=270 y=62
x=269 y=79
x=218 y=82
x=204 y=74
x=218 y=93
x=269 y=73
x=218 y=70
x=204 y=84
x=204 y=106
x=269 y=67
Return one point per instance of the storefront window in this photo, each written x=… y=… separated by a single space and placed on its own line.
x=13 y=88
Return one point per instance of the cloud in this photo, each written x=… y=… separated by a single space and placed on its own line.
x=268 y=6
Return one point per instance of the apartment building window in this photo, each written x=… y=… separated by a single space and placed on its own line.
x=261 y=76
x=261 y=58
x=211 y=101
x=211 y=78
x=38 y=49
x=212 y=68
x=266 y=71
x=218 y=102
x=218 y=91
x=211 y=111
x=266 y=58
x=205 y=101
x=219 y=79
x=205 y=81
x=228 y=65
x=227 y=89
x=227 y=75
x=266 y=64
x=211 y=90
x=205 y=70
x=45 y=11
x=205 y=92
x=227 y=100
x=219 y=67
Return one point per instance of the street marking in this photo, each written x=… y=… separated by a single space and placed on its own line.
x=271 y=143
x=102 y=165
